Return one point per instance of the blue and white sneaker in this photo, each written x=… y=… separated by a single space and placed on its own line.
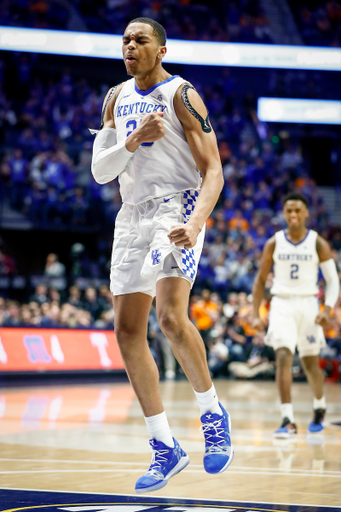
x=218 y=448
x=166 y=462
x=317 y=426
x=286 y=430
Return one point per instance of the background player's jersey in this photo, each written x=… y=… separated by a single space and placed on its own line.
x=158 y=168
x=296 y=266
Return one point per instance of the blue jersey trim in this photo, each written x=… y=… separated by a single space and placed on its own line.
x=298 y=243
x=144 y=93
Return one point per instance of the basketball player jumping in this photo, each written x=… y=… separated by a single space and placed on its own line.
x=156 y=138
x=295 y=319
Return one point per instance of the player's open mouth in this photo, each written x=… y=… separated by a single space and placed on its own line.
x=130 y=59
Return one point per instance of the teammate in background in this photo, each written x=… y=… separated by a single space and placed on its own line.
x=157 y=139
x=295 y=320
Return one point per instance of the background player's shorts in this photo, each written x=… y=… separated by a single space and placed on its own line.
x=142 y=253
x=292 y=323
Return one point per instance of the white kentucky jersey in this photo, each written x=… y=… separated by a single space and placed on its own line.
x=296 y=266
x=158 y=168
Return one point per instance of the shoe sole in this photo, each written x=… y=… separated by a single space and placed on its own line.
x=314 y=432
x=284 y=436
x=229 y=462
x=183 y=462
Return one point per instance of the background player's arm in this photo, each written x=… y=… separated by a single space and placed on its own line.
x=260 y=280
x=330 y=275
x=203 y=145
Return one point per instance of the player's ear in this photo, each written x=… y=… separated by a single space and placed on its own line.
x=162 y=52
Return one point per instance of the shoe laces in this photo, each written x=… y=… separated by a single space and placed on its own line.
x=214 y=433
x=158 y=460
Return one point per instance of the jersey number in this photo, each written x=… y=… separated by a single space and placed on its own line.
x=132 y=123
x=294 y=271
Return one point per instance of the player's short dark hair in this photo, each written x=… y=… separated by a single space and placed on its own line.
x=295 y=196
x=158 y=30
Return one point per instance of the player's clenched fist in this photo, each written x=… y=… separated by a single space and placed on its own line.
x=184 y=235
x=150 y=130
x=151 y=127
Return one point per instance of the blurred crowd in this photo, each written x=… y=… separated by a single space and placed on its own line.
x=241 y=20
x=319 y=21
x=50 y=307
x=46 y=148
x=234 y=349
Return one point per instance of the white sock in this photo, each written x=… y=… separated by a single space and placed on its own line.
x=287 y=411
x=158 y=428
x=208 y=401
x=319 y=403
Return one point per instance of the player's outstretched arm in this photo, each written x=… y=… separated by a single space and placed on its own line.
x=202 y=141
x=109 y=158
x=331 y=277
x=260 y=280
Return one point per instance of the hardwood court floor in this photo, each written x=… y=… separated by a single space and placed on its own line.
x=92 y=438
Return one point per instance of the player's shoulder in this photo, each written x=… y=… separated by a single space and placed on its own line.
x=270 y=244
x=114 y=91
x=189 y=105
x=109 y=102
x=321 y=243
x=184 y=90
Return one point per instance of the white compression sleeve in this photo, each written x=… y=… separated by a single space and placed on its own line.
x=332 y=282
x=109 y=159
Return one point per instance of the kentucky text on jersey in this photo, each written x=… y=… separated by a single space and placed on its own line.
x=140 y=106
x=295 y=257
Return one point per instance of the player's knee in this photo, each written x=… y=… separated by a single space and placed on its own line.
x=125 y=332
x=170 y=324
x=283 y=357
x=309 y=363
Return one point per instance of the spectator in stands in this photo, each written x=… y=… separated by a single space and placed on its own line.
x=75 y=297
x=54 y=295
x=221 y=280
x=7 y=265
x=18 y=166
x=91 y=303
x=245 y=282
x=12 y=314
x=40 y=295
x=204 y=314
x=104 y=298
x=25 y=318
x=53 y=267
x=52 y=318
x=83 y=319
x=237 y=222
x=259 y=363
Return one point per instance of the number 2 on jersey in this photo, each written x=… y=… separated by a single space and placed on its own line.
x=132 y=123
x=294 y=271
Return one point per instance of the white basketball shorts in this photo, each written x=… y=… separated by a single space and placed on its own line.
x=292 y=324
x=142 y=253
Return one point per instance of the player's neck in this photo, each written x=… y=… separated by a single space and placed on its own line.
x=296 y=235
x=147 y=80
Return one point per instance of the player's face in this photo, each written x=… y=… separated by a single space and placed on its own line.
x=295 y=214
x=141 y=49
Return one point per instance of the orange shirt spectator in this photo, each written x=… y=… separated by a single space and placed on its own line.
x=204 y=312
x=238 y=222
x=244 y=319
